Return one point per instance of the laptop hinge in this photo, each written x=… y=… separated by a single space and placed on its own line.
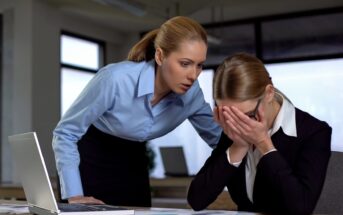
x=42 y=211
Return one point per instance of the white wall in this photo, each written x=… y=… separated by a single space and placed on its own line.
x=31 y=70
x=17 y=75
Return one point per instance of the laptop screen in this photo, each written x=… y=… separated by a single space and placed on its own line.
x=33 y=173
x=37 y=186
x=174 y=161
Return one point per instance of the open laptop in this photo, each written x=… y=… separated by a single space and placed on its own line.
x=36 y=183
x=174 y=161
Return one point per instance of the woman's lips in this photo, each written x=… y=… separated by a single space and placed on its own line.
x=186 y=86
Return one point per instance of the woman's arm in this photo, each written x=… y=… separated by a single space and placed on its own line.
x=298 y=187
x=202 y=119
x=94 y=100
x=212 y=178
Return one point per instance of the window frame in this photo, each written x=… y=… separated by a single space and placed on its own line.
x=258 y=33
x=101 y=58
x=102 y=52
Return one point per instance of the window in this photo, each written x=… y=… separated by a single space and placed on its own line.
x=314 y=87
x=299 y=36
x=304 y=35
x=196 y=150
x=72 y=81
x=80 y=59
x=229 y=39
x=303 y=53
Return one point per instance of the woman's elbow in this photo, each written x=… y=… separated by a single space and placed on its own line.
x=195 y=202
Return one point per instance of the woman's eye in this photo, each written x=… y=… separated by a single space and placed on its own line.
x=200 y=66
x=184 y=64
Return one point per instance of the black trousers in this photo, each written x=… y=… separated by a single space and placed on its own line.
x=114 y=170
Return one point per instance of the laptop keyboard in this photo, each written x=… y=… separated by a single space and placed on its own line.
x=86 y=207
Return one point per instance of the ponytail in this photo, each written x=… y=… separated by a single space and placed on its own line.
x=144 y=50
x=168 y=37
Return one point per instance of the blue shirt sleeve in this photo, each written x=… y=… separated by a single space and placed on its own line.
x=203 y=121
x=94 y=100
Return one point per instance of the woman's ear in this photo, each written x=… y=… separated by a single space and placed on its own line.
x=159 y=56
x=270 y=92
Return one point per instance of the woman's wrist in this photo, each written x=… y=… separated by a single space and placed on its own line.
x=236 y=153
x=265 y=146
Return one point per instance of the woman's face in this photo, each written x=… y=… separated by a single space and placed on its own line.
x=182 y=67
x=248 y=107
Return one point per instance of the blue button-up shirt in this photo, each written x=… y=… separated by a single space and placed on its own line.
x=117 y=102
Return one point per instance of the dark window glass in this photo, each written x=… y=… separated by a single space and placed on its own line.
x=226 y=40
x=309 y=36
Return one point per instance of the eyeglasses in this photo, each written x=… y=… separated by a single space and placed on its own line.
x=253 y=114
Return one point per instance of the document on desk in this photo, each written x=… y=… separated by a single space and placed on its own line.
x=14 y=208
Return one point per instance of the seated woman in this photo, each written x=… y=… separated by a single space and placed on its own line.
x=273 y=157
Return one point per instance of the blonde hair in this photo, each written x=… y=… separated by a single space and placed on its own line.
x=240 y=77
x=168 y=37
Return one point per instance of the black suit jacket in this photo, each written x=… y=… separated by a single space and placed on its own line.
x=288 y=181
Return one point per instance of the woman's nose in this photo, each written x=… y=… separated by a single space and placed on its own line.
x=193 y=73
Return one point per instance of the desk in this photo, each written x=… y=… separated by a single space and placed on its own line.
x=175 y=211
x=11 y=191
x=15 y=192
x=171 y=192
x=162 y=211
x=155 y=211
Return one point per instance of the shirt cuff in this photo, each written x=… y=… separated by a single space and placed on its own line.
x=71 y=185
x=272 y=150
x=235 y=164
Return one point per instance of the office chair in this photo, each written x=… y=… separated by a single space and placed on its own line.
x=330 y=200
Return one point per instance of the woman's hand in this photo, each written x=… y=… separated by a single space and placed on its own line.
x=227 y=127
x=252 y=131
x=240 y=147
x=84 y=200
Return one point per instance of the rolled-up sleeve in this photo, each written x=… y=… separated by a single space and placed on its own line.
x=93 y=101
x=203 y=121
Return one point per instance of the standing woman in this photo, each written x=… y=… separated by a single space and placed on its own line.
x=274 y=157
x=99 y=142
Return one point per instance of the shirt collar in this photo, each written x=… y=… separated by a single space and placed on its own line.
x=146 y=84
x=146 y=80
x=285 y=119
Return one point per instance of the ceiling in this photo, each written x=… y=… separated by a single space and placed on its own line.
x=142 y=15
x=130 y=15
